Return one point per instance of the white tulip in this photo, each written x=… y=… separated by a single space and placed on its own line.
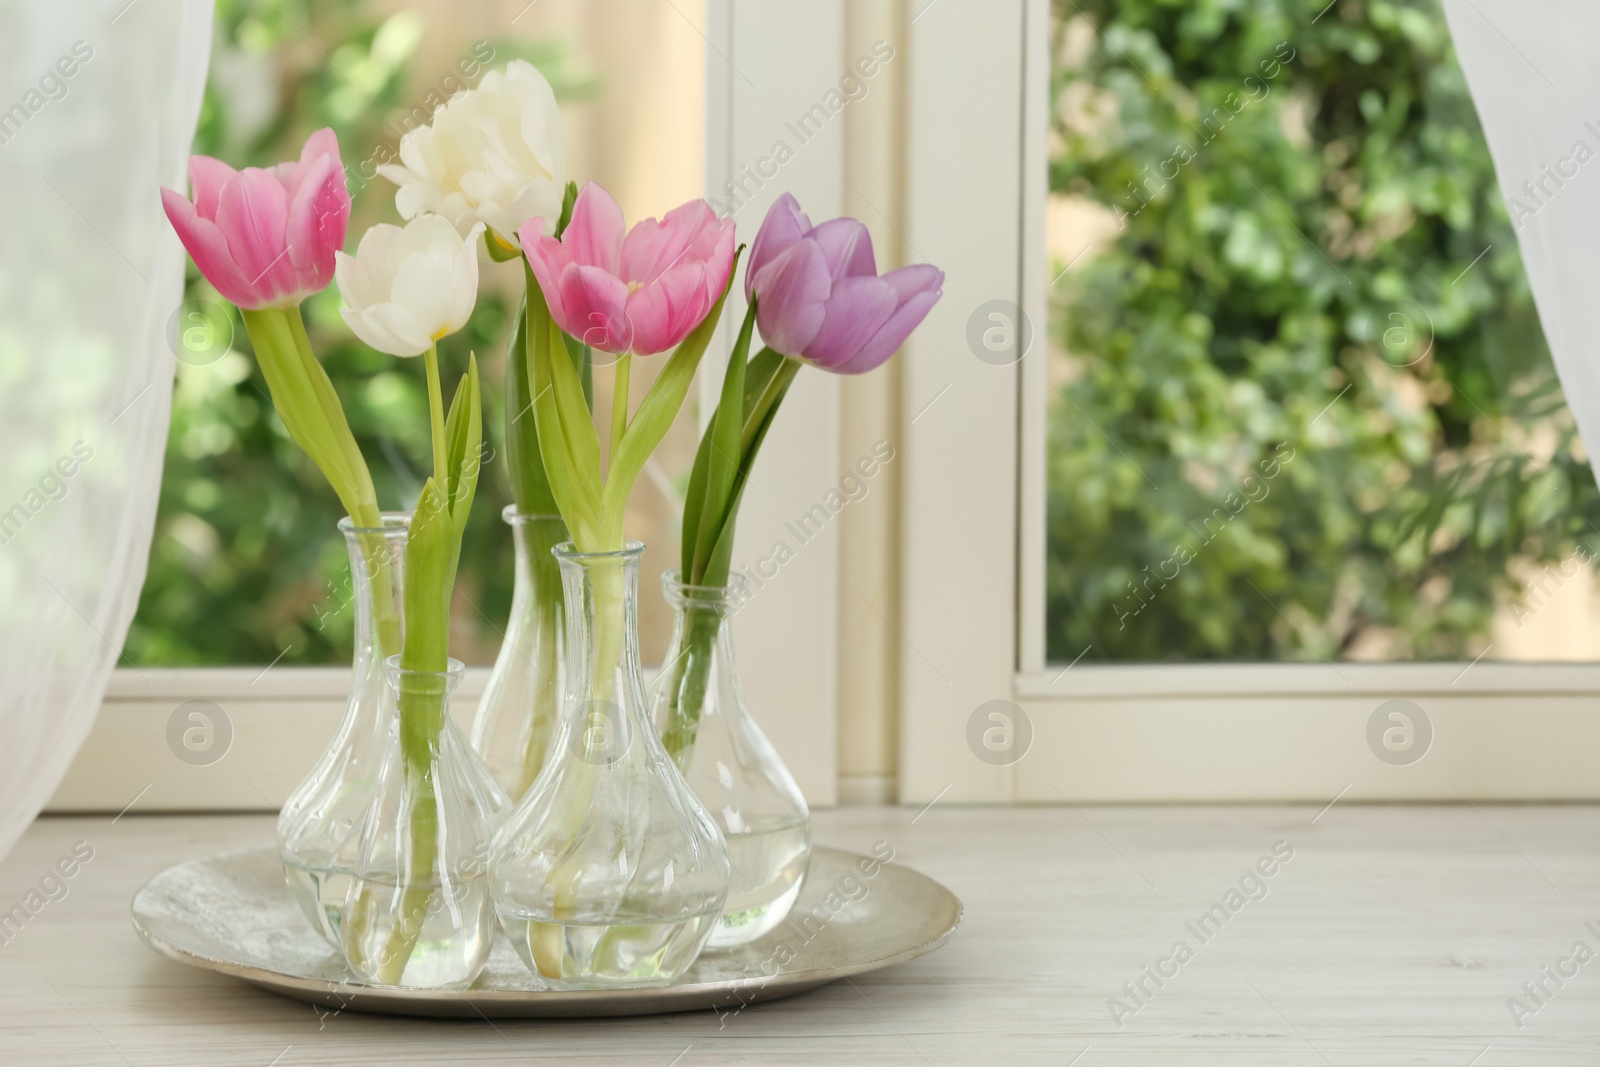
x=408 y=286
x=493 y=155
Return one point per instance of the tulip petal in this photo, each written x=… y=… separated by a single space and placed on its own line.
x=318 y=216
x=321 y=143
x=664 y=311
x=593 y=308
x=918 y=287
x=784 y=225
x=652 y=248
x=418 y=287
x=207 y=176
x=354 y=283
x=855 y=311
x=253 y=212
x=464 y=281
x=594 y=236
x=847 y=244
x=530 y=203
x=791 y=293
x=548 y=258
x=387 y=327
x=207 y=246
x=716 y=247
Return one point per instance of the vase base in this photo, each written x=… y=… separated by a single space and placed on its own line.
x=768 y=868
x=606 y=955
x=320 y=894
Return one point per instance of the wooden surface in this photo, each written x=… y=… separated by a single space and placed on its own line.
x=1395 y=935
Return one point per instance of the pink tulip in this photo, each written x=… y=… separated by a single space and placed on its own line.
x=820 y=296
x=265 y=237
x=640 y=290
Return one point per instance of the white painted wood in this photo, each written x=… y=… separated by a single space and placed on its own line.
x=280 y=721
x=1033 y=381
x=1519 y=681
x=959 y=586
x=767 y=66
x=1296 y=747
x=1394 y=935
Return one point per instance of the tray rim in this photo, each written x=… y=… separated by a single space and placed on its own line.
x=637 y=1000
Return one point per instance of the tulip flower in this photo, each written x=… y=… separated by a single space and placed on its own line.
x=821 y=298
x=816 y=296
x=406 y=287
x=265 y=238
x=640 y=290
x=493 y=155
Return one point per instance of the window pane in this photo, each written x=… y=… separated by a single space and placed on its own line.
x=1301 y=407
x=246 y=565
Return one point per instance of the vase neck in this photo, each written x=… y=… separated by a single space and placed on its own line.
x=533 y=537
x=704 y=602
x=376 y=589
x=602 y=594
x=605 y=703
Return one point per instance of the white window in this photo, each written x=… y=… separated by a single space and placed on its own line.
x=987 y=714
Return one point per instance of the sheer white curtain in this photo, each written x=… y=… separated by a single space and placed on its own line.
x=97 y=111
x=1534 y=73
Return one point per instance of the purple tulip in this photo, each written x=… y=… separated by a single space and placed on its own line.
x=821 y=299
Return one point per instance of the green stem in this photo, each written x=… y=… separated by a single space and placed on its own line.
x=422 y=712
x=619 y=401
x=686 y=687
x=305 y=400
x=607 y=583
x=436 y=412
x=548 y=617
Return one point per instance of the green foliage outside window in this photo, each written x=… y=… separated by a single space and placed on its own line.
x=1305 y=410
x=246 y=565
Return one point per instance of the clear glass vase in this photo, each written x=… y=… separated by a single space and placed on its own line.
x=319 y=826
x=708 y=732
x=517 y=714
x=418 y=911
x=609 y=872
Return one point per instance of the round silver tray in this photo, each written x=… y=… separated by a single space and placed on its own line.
x=232 y=914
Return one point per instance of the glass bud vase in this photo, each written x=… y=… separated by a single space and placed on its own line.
x=609 y=872
x=418 y=911
x=319 y=826
x=708 y=731
x=517 y=714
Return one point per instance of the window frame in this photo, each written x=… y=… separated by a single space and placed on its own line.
x=974 y=573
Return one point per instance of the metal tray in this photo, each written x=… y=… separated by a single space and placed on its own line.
x=232 y=914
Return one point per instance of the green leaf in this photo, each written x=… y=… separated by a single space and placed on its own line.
x=766 y=367
x=582 y=357
x=530 y=486
x=311 y=411
x=463 y=433
x=429 y=566
x=572 y=488
x=767 y=378
x=568 y=199
x=723 y=437
x=500 y=250
x=693 y=502
x=577 y=422
x=719 y=559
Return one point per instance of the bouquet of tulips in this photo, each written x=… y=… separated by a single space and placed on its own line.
x=488 y=175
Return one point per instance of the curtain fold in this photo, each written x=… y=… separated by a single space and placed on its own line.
x=1534 y=73
x=97 y=113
